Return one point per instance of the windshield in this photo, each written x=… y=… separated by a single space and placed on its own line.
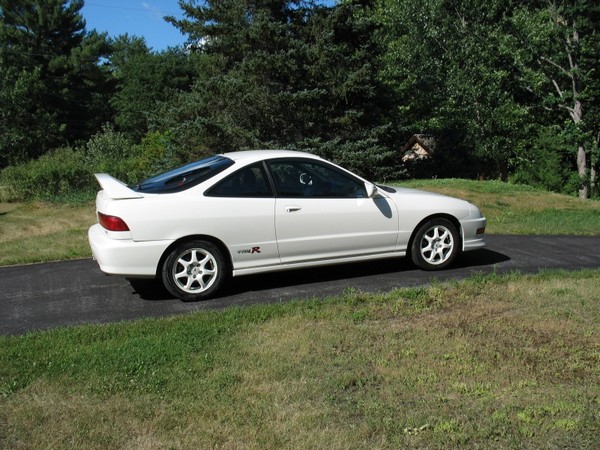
x=184 y=177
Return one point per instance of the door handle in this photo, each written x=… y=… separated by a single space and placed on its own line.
x=290 y=209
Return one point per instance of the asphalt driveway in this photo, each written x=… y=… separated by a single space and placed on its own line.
x=45 y=296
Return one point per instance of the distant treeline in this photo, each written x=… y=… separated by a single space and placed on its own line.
x=507 y=89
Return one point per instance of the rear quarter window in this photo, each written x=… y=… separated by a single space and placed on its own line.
x=184 y=177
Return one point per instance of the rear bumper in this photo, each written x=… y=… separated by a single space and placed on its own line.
x=125 y=257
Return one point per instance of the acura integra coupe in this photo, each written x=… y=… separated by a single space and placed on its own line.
x=263 y=211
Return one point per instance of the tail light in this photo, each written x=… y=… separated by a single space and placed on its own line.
x=112 y=223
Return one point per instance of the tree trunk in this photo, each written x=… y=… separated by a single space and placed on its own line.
x=584 y=189
x=582 y=160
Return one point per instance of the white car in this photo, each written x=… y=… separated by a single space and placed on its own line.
x=264 y=211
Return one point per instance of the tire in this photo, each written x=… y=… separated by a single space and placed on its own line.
x=435 y=245
x=194 y=270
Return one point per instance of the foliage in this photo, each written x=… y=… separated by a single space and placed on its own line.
x=285 y=74
x=67 y=173
x=448 y=64
x=556 y=56
x=25 y=128
x=548 y=163
x=508 y=89
x=60 y=173
x=143 y=79
x=60 y=90
x=490 y=79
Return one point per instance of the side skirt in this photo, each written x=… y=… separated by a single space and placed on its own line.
x=307 y=264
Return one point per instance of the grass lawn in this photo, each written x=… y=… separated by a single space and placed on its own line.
x=40 y=232
x=492 y=362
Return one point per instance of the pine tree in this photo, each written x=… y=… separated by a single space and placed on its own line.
x=46 y=39
x=143 y=79
x=281 y=73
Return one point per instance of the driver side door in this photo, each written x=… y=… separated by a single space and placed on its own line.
x=322 y=212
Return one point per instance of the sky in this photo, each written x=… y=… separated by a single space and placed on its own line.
x=143 y=18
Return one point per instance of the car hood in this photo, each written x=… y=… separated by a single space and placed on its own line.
x=416 y=193
x=423 y=200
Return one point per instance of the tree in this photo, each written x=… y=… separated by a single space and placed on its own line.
x=23 y=124
x=247 y=59
x=350 y=116
x=282 y=73
x=558 y=61
x=43 y=43
x=143 y=79
x=447 y=61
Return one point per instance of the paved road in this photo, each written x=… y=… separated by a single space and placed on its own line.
x=44 y=296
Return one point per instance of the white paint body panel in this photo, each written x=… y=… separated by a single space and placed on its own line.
x=270 y=233
x=323 y=228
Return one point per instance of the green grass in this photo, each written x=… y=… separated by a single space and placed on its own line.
x=39 y=232
x=492 y=362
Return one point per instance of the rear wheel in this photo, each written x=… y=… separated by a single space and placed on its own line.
x=194 y=270
x=436 y=244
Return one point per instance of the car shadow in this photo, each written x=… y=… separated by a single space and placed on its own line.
x=153 y=290
x=348 y=271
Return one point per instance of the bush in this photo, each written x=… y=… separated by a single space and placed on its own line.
x=155 y=154
x=548 y=164
x=106 y=151
x=111 y=152
x=62 y=173
x=68 y=174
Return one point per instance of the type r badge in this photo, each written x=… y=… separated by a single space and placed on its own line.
x=250 y=251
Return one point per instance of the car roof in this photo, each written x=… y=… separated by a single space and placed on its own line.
x=259 y=155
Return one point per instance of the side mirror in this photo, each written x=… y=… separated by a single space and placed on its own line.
x=371 y=190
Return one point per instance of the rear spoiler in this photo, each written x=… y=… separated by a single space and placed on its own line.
x=114 y=188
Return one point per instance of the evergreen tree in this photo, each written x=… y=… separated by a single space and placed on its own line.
x=45 y=49
x=143 y=79
x=281 y=73
x=350 y=116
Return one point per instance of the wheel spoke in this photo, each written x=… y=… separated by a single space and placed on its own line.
x=181 y=275
x=195 y=270
x=437 y=245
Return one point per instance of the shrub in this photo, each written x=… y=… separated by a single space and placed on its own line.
x=106 y=151
x=548 y=164
x=155 y=154
x=61 y=173
x=67 y=174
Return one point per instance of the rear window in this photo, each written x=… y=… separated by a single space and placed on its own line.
x=183 y=177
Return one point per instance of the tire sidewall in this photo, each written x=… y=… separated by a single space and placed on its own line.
x=415 y=249
x=173 y=257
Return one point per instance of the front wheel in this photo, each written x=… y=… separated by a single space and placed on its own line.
x=436 y=244
x=194 y=270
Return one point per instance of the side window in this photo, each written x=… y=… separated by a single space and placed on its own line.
x=250 y=181
x=314 y=179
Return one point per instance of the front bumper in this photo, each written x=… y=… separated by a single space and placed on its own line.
x=125 y=257
x=472 y=233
